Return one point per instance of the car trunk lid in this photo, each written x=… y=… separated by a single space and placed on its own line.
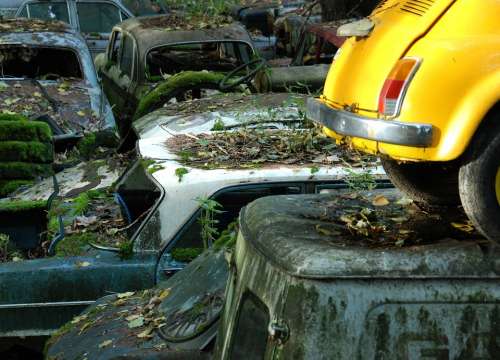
x=360 y=69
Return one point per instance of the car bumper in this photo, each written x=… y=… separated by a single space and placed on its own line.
x=386 y=131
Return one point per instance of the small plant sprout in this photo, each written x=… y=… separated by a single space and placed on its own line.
x=207 y=220
x=314 y=170
x=219 y=125
x=359 y=181
x=180 y=172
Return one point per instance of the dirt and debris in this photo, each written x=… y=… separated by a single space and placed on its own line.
x=253 y=147
x=94 y=216
x=235 y=102
x=189 y=21
x=32 y=25
x=382 y=221
x=66 y=101
x=136 y=317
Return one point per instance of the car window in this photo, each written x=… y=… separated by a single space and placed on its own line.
x=253 y=319
x=38 y=62
x=46 y=10
x=127 y=55
x=213 y=56
x=232 y=201
x=115 y=46
x=98 y=17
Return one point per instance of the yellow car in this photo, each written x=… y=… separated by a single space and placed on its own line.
x=418 y=83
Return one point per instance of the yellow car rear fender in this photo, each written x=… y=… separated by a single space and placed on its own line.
x=467 y=117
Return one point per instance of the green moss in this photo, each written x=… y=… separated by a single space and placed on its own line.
x=219 y=125
x=87 y=145
x=81 y=203
x=74 y=244
x=26 y=151
x=126 y=250
x=174 y=86
x=9 y=186
x=186 y=254
x=20 y=170
x=22 y=205
x=24 y=131
x=12 y=117
x=227 y=237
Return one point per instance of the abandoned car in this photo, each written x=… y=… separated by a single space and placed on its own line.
x=50 y=96
x=297 y=279
x=93 y=18
x=151 y=60
x=122 y=238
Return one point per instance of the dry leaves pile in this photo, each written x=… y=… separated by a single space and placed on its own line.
x=104 y=220
x=378 y=221
x=65 y=101
x=249 y=148
x=31 y=25
x=139 y=311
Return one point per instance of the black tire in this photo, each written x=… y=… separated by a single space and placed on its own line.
x=425 y=182
x=477 y=180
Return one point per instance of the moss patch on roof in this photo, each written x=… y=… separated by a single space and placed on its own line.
x=175 y=86
x=21 y=170
x=22 y=205
x=24 y=130
x=31 y=25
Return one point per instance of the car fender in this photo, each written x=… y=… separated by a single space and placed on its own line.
x=468 y=116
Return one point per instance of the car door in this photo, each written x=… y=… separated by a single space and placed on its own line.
x=96 y=19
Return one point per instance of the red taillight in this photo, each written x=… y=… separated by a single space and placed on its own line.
x=395 y=86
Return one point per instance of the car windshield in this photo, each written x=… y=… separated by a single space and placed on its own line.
x=41 y=63
x=98 y=17
x=46 y=10
x=213 y=56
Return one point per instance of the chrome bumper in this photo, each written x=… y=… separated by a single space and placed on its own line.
x=386 y=131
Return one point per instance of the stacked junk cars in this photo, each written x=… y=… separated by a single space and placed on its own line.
x=175 y=193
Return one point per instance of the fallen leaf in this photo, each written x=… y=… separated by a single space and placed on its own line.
x=467 y=227
x=125 y=295
x=82 y=263
x=399 y=219
x=380 y=200
x=404 y=201
x=77 y=319
x=105 y=343
x=400 y=242
x=37 y=94
x=164 y=294
x=326 y=232
x=132 y=317
x=80 y=113
x=145 y=334
x=135 y=323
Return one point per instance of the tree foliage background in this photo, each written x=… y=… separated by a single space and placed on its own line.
x=342 y=9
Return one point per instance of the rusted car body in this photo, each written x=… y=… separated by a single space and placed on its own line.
x=93 y=18
x=47 y=72
x=144 y=52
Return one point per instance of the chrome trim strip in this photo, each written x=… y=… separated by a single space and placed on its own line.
x=386 y=131
x=47 y=304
